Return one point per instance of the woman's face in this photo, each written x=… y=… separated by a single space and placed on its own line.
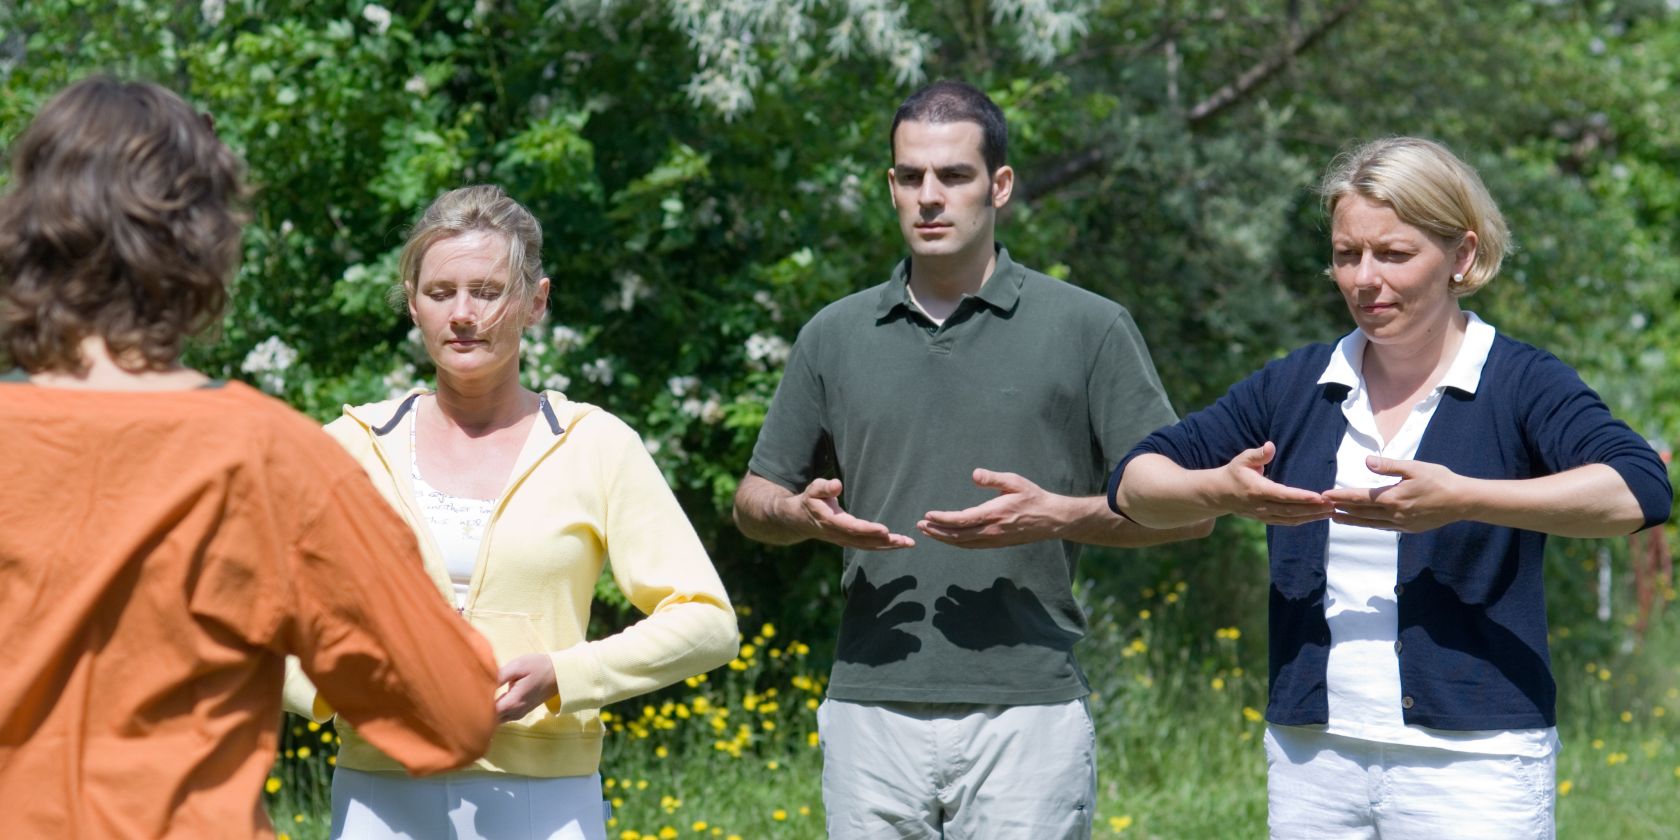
x=470 y=329
x=1395 y=277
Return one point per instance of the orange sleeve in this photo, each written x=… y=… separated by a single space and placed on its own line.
x=370 y=630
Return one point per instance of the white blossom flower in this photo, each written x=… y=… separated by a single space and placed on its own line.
x=767 y=302
x=691 y=407
x=377 y=15
x=401 y=380
x=557 y=382
x=651 y=445
x=682 y=386
x=416 y=85
x=212 y=10
x=268 y=361
x=711 y=411
x=632 y=287
x=599 y=372
x=766 y=351
x=564 y=338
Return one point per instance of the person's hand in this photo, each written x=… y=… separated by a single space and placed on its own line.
x=1426 y=497
x=819 y=508
x=1022 y=512
x=1248 y=492
x=530 y=681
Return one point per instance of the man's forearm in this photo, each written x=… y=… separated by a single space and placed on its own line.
x=759 y=512
x=1088 y=520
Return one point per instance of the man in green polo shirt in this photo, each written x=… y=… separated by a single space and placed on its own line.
x=978 y=405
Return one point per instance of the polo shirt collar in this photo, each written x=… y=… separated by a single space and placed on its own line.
x=1001 y=291
x=1465 y=373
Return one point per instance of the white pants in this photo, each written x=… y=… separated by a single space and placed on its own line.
x=466 y=806
x=958 y=771
x=1330 y=787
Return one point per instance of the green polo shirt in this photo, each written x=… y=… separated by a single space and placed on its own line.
x=1033 y=376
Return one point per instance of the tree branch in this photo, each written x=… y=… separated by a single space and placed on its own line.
x=1257 y=75
x=1083 y=163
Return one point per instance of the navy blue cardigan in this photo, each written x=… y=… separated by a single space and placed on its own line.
x=1472 y=609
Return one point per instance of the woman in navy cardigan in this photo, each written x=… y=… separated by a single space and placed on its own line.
x=1409 y=476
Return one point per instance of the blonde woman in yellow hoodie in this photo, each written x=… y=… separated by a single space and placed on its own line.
x=517 y=499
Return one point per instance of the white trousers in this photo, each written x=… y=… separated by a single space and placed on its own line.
x=958 y=771
x=1330 y=787
x=466 y=806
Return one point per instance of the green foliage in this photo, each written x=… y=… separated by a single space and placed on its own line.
x=710 y=174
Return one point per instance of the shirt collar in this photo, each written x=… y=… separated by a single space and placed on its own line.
x=1464 y=374
x=1001 y=291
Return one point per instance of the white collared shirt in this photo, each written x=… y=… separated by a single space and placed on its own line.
x=1362 y=568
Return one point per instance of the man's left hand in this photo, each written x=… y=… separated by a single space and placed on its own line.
x=1023 y=512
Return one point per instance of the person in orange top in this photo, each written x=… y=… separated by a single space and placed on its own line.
x=167 y=539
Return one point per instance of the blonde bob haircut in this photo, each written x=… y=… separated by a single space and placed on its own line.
x=483 y=208
x=1429 y=188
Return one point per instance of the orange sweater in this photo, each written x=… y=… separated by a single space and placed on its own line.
x=160 y=554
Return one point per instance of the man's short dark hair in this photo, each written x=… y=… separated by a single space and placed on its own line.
x=950 y=101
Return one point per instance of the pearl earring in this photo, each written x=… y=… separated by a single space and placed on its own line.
x=1458 y=279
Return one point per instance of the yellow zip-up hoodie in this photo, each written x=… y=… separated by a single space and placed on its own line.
x=583 y=492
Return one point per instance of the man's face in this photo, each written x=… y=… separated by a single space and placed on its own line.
x=946 y=202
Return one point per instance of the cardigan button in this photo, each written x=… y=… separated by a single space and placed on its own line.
x=1397 y=647
x=1406 y=702
x=1399 y=588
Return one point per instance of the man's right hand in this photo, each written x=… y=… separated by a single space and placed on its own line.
x=821 y=517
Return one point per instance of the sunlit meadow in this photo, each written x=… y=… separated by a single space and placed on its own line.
x=1176 y=661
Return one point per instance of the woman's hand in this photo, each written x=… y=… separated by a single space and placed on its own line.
x=1426 y=497
x=530 y=681
x=1246 y=491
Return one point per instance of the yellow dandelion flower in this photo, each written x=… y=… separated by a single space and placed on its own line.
x=775 y=653
x=1218 y=684
x=804 y=810
x=812 y=704
x=272 y=785
x=1659 y=711
x=811 y=738
x=1627 y=717
x=313 y=726
x=1565 y=786
x=297 y=818
x=1251 y=714
x=660 y=751
x=326 y=737
x=609 y=783
x=778 y=815
x=332 y=761
x=1172 y=598
x=303 y=752
x=1604 y=675
x=737 y=665
x=748 y=651
x=629 y=834
x=699 y=825
x=283 y=836
x=733 y=837
x=768 y=631
x=1615 y=758
x=641 y=784
x=1598 y=743
x=1144 y=614
x=1119 y=824
x=618 y=802
x=1592 y=667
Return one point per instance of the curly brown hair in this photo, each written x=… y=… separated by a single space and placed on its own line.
x=123 y=221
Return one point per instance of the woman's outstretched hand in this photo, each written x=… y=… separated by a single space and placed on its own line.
x=1246 y=491
x=1424 y=498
